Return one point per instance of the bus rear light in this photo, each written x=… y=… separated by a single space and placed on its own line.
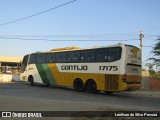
x=124 y=78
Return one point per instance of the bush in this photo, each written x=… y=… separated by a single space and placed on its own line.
x=152 y=73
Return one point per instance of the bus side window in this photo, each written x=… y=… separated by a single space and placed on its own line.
x=40 y=58
x=53 y=58
x=101 y=55
x=88 y=56
x=91 y=55
x=76 y=56
x=83 y=56
x=50 y=58
x=68 y=57
x=32 y=59
x=114 y=54
x=73 y=56
x=61 y=57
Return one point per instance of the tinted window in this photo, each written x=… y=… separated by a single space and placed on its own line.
x=24 y=63
x=73 y=56
x=101 y=55
x=114 y=54
x=50 y=58
x=40 y=58
x=61 y=57
x=25 y=60
x=32 y=59
x=88 y=56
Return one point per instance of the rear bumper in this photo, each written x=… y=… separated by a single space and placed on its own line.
x=133 y=87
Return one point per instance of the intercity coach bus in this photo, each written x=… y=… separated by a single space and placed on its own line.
x=113 y=68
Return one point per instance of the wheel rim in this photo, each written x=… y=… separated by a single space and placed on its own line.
x=31 y=80
x=92 y=87
x=79 y=86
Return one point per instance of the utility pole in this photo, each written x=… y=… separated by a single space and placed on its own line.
x=141 y=36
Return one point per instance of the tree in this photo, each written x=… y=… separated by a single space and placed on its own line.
x=150 y=65
x=151 y=70
x=155 y=60
x=156 y=51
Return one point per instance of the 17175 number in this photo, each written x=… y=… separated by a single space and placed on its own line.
x=108 y=68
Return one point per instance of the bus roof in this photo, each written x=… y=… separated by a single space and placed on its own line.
x=73 y=48
x=66 y=48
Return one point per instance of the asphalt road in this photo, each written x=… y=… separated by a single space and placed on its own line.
x=16 y=96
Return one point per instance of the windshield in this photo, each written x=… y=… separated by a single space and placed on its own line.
x=24 y=63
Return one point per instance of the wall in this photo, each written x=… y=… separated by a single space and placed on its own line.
x=145 y=81
x=5 y=78
x=155 y=84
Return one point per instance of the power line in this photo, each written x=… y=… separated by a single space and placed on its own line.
x=151 y=35
x=147 y=57
x=104 y=36
x=31 y=39
x=78 y=35
x=81 y=35
x=146 y=46
x=38 y=13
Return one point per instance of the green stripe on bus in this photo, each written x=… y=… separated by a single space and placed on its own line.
x=42 y=73
x=49 y=74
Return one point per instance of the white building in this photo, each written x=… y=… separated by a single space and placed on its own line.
x=9 y=63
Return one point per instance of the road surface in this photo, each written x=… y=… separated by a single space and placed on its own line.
x=22 y=96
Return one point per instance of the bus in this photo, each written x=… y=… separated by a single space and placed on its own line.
x=114 y=68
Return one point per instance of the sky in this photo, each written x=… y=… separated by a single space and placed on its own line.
x=80 y=20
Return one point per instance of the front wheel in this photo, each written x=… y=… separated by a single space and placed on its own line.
x=31 y=80
x=48 y=85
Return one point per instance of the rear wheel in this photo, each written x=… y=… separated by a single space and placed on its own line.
x=92 y=87
x=31 y=80
x=108 y=92
x=78 y=85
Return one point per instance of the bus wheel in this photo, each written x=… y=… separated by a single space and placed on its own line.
x=108 y=92
x=31 y=80
x=91 y=87
x=78 y=85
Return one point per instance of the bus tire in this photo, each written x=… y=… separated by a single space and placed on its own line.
x=31 y=80
x=79 y=85
x=108 y=92
x=91 y=87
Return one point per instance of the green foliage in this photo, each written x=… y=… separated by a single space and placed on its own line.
x=156 y=49
x=155 y=61
x=158 y=75
x=152 y=73
x=149 y=65
x=144 y=69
